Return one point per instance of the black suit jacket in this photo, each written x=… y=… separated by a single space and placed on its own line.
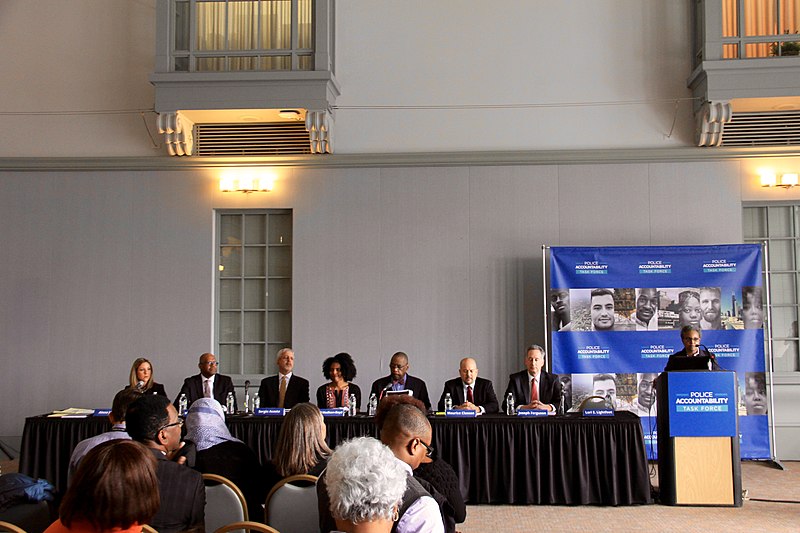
x=296 y=391
x=157 y=388
x=519 y=385
x=183 y=496
x=416 y=385
x=193 y=388
x=682 y=353
x=482 y=394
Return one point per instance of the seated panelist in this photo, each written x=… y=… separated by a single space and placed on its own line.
x=469 y=391
x=534 y=388
x=398 y=380
x=284 y=389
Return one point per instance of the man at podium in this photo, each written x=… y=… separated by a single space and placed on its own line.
x=690 y=337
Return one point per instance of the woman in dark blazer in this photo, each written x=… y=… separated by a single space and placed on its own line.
x=141 y=378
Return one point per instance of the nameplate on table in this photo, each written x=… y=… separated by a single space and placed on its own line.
x=460 y=413
x=598 y=412
x=336 y=411
x=270 y=411
x=525 y=413
x=101 y=412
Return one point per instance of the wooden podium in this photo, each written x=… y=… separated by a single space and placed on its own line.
x=698 y=439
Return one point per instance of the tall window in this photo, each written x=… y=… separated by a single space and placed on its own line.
x=242 y=35
x=780 y=227
x=253 y=289
x=760 y=28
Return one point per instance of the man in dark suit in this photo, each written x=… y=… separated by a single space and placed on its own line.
x=154 y=422
x=469 y=391
x=534 y=388
x=207 y=384
x=398 y=380
x=690 y=337
x=284 y=389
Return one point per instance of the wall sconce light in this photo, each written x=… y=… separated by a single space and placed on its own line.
x=785 y=181
x=246 y=181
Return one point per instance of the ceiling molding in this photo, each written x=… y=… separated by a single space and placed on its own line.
x=434 y=159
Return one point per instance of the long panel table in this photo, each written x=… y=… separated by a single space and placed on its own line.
x=499 y=459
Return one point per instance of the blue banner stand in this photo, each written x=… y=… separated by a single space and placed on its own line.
x=698 y=439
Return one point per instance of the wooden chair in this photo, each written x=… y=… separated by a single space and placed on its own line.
x=7 y=526
x=247 y=526
x=225 y=503
x=148 y=529
x=285 y=498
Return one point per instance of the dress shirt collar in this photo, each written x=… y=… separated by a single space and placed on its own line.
x=287 y=376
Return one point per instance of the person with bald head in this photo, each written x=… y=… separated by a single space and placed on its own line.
x=207 y=384
x=400 y=380
x=469 y=391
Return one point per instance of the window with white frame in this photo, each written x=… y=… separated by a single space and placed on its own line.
x=760 y=28
x=253 y=289
x=242 y=35
x=779 y=225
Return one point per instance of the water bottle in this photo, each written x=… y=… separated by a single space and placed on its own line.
x=510 y=407
x=183 y=405
x=229 y=403
x=448 y=402
x=352 y=405
x=256 y=402
x=246 y=403
x=373 y=404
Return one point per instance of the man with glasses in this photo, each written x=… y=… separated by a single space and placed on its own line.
x=154 y=422
x=207 y=384
x=399 y=380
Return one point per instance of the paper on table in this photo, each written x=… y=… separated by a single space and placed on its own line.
x=72 y=412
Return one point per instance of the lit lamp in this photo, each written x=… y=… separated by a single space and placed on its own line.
x=246 y=181
x=786 y=181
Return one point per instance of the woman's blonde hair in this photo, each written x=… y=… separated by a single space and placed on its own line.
x=134 y=380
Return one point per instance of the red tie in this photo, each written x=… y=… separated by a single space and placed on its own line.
x=469 y=394
x=534 y=391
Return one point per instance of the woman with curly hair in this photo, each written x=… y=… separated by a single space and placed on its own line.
x=340 y=370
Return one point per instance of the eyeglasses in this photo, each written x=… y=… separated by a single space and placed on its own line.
x=210 y=363
x=397 y=367
x=162 y=428
x=428 y=449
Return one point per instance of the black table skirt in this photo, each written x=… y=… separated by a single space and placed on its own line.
x=555 y=460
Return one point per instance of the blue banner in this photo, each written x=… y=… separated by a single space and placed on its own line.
x=617 y=312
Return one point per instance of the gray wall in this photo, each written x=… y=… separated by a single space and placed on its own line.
x=441 y=262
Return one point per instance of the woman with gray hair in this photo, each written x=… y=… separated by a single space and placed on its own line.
x=365 y=484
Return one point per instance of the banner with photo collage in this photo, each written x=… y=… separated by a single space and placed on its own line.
x=616 y=318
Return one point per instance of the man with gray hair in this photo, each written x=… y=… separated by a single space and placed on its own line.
x=534 y=387
x=284 y=389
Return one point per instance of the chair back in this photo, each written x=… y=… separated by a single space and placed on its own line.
x=7 y=526
x=225 y=503
x=247 y=526
x=148 y=529
x=284 y=500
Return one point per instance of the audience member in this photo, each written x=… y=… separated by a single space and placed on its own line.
x=115 y=489
x=534 y=388
x=399 y=380
x=340 y=370
x=407 y=432
x=117 y=418
x=365 y=486
x=207 y=384
x=300 y=448
x=469 y=391
x=218 y=452
x=154 y=422
x=284 y=389
x=141 y=378
x=434 y=474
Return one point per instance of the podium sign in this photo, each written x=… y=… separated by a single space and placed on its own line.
x=698 y=439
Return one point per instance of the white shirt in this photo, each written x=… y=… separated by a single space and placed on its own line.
x=423 y=516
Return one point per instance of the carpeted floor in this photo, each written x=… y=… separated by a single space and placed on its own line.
x=768 y=509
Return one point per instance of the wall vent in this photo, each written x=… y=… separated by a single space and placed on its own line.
x=251 y=139
x=768 y=128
